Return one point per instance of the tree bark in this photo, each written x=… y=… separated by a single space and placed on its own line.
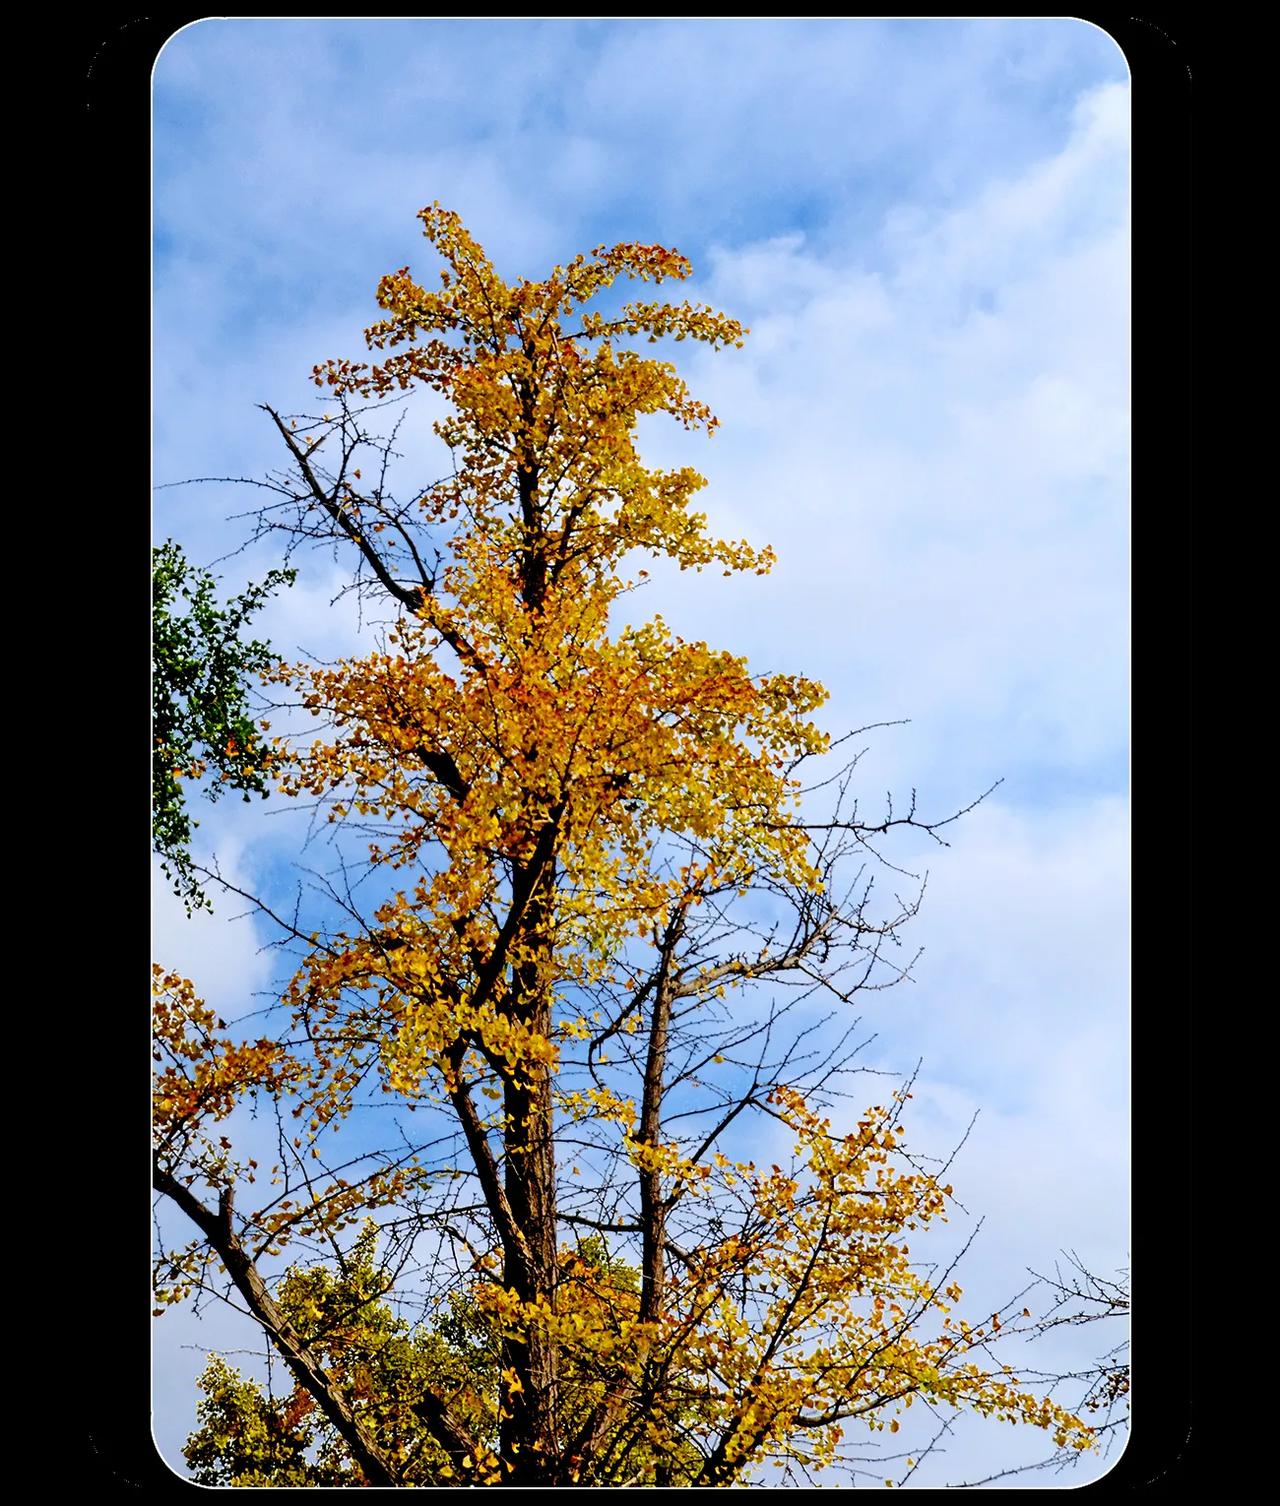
x=529 y=1435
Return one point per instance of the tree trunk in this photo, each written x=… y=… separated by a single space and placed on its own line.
x=529 y=1438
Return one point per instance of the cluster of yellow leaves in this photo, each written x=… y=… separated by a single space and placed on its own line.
x=604 y=746
x=202 y=1074
x=600 y=1103
x=813 y=1311
x=177 y=1274
x=549 y=403
x=817 y=1312
x=510 y=722
x=583 y=1327
x=329 y=1208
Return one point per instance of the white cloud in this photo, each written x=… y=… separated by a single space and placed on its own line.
x=221 y=952
x=944 y=475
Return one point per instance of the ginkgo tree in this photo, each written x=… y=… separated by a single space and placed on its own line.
x=581 y=956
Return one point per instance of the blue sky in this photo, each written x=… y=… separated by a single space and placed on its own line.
x=925 y=225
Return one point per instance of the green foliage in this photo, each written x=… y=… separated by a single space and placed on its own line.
x=384 y=1366
x=246 y=1438
x=378 y=1361
x=200 y=718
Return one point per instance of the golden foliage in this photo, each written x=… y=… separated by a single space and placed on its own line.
x=529 y=764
